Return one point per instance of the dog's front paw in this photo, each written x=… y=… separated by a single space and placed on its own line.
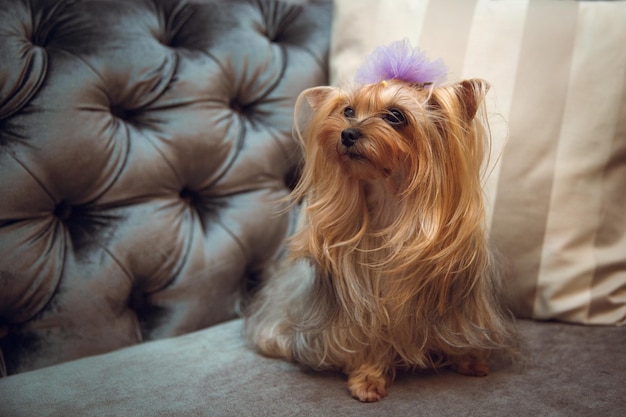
x=367 y=387
x=470 y=365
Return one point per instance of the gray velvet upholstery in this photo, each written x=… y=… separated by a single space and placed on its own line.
x=143 y=146
x=575 y=371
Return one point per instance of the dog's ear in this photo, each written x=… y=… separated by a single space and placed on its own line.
x=309 y=102
x=316 y=96
x=471 y=94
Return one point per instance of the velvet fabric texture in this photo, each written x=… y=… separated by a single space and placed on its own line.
x=143 y=147
x=573 y=370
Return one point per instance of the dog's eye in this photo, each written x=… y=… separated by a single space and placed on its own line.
x=394 y=117
x=348 y=112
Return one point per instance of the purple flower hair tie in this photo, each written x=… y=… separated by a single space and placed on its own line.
x=400 y=61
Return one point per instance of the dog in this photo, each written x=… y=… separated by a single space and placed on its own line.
x=390 y=267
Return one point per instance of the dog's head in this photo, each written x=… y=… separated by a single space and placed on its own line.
x=414 y=134
x=398 y=160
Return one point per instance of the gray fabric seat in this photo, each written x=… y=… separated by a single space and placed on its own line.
x=574 y=371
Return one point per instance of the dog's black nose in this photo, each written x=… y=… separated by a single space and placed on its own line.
x=349 y=136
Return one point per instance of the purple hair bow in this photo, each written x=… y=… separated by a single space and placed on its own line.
x=400 y=61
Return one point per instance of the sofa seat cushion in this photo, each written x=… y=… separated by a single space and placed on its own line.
x=573 y=370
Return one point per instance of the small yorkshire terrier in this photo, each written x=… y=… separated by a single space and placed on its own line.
x=390 y=267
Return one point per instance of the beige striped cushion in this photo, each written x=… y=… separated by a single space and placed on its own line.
x=557 y=199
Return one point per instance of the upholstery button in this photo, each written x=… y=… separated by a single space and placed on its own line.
x=87 y=227
x=130 y=116
x=137 y=300
x=278 y=17
x=189 y=196
x=63 y=211
x=174 y=20
x=50 y=23
x=238 y=107
x=38 y=39
x=119 y=112
x=291 y=177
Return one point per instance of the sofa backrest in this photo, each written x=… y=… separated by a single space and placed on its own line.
x=143 y=147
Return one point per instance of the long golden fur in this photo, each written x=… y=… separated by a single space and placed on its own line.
x=390 y=267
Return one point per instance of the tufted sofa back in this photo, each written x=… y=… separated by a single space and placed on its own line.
x=143 y=146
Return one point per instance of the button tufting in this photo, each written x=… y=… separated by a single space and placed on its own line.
x=137 y=300
x=189 y=197
x=162 y=160
x=86 y=226
x=175 y=20
x=46 y=24
x=278 y=18
x=63 y=211
x=242 y=108
x=291 y=177
x=127 y=115
x=207 y=208
x=39 y=38
x=249 y=111
x=135 y=117
x=119 y=112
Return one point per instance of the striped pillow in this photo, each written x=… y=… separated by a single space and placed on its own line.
x=557 y=196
